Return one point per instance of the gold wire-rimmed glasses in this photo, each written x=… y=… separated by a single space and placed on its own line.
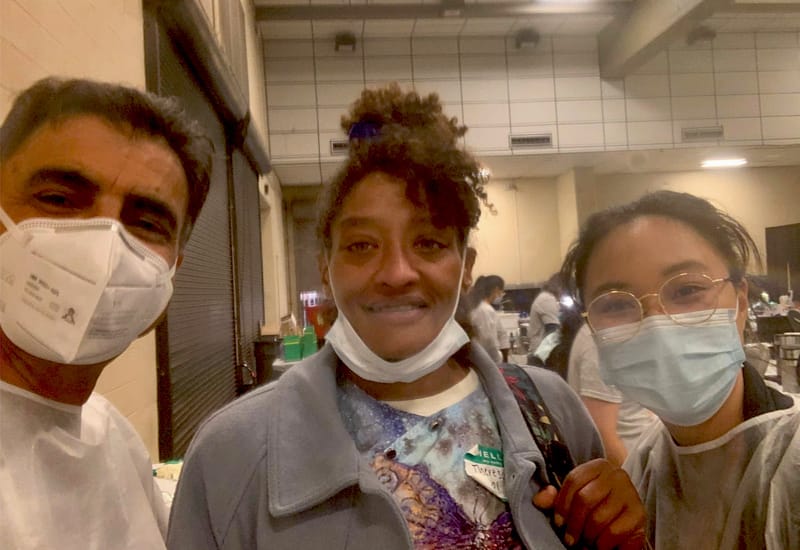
x=681 y=294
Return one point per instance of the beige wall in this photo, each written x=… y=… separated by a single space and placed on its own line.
x=525 y=241
x=520 y=243
x=101 y=40
x=77 y=38
x=567 y=211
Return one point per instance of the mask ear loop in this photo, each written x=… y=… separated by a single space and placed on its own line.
x=460 y=276
x=13 y=228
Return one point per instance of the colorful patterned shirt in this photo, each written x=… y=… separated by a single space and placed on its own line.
x=420 y=462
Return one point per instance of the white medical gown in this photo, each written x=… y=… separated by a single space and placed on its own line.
x=74 y=477
x=740 y=491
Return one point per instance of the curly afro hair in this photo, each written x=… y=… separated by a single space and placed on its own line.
x=409 y=138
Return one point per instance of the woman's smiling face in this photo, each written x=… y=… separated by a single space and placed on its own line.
x=392 y=273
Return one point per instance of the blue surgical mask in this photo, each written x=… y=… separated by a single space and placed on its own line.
x=683 y=373
x=360 y=359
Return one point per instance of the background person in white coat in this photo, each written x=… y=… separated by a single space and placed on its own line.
x=485 y=294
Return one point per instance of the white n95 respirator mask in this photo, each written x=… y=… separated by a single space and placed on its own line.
x=78 y=291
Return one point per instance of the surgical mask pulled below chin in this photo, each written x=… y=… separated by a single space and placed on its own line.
x=354 y=353
x=683 y=373
x=78 y=291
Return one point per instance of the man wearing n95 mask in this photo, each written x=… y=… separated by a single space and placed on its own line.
x=99 y=188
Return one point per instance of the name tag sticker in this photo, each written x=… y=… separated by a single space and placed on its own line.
x=485 y=465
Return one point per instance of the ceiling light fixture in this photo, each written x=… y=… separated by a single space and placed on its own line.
x=452 y=8
x=724 y=163
x=526 y=37
x=700 y=34
x=345 y=39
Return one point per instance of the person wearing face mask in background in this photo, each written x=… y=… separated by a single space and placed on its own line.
x=484 y=296
x=99 y=187
x=662 y=283
x=374 y=441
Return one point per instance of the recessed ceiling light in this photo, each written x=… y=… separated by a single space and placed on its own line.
x=723 y=163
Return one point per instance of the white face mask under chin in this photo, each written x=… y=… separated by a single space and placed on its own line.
x=78 y=291
x=360 y=359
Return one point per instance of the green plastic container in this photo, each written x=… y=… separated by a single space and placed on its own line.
x=309 y=341
x=292 y=348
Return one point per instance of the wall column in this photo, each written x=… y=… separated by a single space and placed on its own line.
x=577 y=200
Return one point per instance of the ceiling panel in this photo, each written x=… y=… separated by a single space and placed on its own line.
x=298 y=174
x=449 y=27
x=544 y=24
x=481 y=17
x=753 y=22
x=329 y=28
x=438 y=27
x=378 y=28
x=487 y=26
x=281 y=30
x=584 y=24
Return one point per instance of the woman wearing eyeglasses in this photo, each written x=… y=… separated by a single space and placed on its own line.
x=661 y=281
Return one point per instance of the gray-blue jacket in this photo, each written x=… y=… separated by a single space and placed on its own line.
x=277 y=468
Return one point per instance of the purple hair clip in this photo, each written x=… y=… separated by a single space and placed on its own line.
x=364 y=129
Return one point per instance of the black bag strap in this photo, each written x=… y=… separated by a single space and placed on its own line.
x=557 y=457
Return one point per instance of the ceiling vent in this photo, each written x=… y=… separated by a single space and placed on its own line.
x=530 y=141
x=339 y=147
x=703 y=133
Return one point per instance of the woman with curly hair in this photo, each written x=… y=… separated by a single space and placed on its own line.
x=393 y=434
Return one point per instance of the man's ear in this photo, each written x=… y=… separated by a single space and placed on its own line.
x=469 y=263
x=324 y=274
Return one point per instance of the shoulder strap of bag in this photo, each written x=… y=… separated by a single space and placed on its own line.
x=557 y=457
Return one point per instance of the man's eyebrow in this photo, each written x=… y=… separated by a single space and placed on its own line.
x=153 y=206
x=68 y=177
